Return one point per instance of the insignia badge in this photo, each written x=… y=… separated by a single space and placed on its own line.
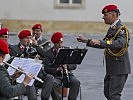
x=7 y=32
x=109 y=42
x=122 y=32
x=105 y=10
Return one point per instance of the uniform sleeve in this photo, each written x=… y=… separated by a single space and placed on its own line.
x=71 y=67
x=94 y=46
x=13 y=52
x=6 y=89
x=118 y=43
x=49 y=67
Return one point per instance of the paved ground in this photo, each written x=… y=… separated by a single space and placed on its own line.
x=91 y=72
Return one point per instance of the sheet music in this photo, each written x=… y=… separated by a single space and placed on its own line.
x=28 y=65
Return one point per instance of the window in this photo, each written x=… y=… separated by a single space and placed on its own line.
x=64 y=1
x=72 y=4
x=70 y=1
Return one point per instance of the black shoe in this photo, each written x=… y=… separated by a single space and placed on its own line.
x=44 y=98
x=37 y=93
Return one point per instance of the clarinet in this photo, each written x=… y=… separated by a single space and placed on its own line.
x=67 y=74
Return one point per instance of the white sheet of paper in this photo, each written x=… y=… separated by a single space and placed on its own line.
x=28 y=65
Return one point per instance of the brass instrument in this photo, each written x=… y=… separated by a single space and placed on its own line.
x=36 y=78
x=33 y=40
x=45 y=42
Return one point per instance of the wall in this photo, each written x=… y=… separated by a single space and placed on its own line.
x=23 y=12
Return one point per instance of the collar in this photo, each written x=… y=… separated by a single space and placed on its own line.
x=40 y=38
x=114 y=24
x=1 y=63
x=54 y=49
x=22 y=47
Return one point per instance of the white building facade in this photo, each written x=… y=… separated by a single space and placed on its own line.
x=62 y=10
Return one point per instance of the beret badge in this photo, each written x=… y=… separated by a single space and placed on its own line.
x=105 y=10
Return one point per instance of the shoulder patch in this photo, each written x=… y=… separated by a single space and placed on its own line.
x=122 y=32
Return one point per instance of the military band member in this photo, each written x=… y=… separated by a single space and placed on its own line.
x=116 y=44
x=69 y=80
x=4 y=35
x=7 y=90
x=25 y=49
x=38 y=34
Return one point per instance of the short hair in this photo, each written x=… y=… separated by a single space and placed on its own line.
x=1 y=53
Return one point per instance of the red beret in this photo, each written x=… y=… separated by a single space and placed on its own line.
x=56 y=37
x=37 y=26
x=4 y=47
x=109 y=8
x=4 y=31
x=24 y=34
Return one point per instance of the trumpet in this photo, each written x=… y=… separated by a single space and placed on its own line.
x=36 y=78
x=33 y=41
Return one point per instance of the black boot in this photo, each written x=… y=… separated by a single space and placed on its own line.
x=44 y=98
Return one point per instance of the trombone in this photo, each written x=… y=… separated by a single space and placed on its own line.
x=36 y=78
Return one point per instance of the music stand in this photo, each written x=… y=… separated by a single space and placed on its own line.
x=69 y=56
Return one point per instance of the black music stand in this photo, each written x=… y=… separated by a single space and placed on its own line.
x=69 y=56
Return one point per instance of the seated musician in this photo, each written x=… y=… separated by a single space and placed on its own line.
x=4 y=35
x=38 y=34
x=69 y=80
x=7 y=90
x=25 y=49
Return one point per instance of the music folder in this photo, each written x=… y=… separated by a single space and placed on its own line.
x=28 y=65
x=70 y=56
